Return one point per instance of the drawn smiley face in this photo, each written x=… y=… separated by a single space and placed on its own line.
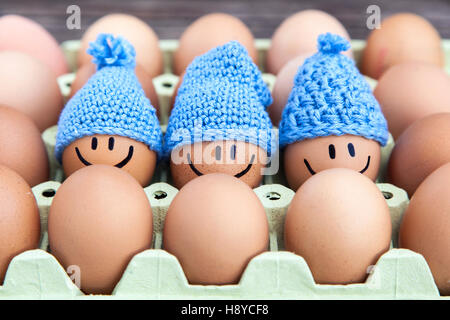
x=242 y=160
x=130 y=155
x=307 y=157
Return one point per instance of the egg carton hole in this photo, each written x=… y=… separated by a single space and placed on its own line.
x=387 y=195
x=273 y=196
x=158 y=195
x=49 y=193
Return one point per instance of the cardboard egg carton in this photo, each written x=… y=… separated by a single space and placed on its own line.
x=275 y=274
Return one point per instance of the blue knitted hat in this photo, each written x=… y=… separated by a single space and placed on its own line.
x=331 y=97
x=222 y=97
x=112 y=102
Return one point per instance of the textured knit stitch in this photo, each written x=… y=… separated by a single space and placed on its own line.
x=112 y=102
x=331 y=97
x=221 y=90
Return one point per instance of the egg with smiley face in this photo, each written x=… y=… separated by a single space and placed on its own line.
x=132 y=156
x=219 y=123
x=110 y=120
x=242 y=160
x=307 y=157
x=332 y=119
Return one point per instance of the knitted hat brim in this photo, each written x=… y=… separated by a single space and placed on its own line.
x=287 y=139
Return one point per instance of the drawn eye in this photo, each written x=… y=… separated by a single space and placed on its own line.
x=111 y=143
x=351 y=149
x=218 y=153
x=233 y=152
x=94 y=143
x=332 y=151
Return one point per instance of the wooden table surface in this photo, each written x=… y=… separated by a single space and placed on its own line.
x=170 y=17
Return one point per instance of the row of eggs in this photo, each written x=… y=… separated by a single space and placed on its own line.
x=338 y=221
x=421 y=79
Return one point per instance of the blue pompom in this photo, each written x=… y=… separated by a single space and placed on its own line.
x=108 y=50
x=332 y=43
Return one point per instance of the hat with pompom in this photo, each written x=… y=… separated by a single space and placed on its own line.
x=112 y=102
x=222 y=97
x=331 y=97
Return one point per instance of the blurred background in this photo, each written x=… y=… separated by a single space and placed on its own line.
x=170 y=17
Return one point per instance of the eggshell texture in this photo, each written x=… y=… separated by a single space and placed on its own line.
x=314 y=154
x=99 y=219
x=425 y=226
x=22 y=147
x=298 y=34
x=28 y=85
x=215 y=225
x=132 y=156
x=19 y=218
x=410 y=91
x=403 y=37
x=18 y=33
x=247 y=163
x=421 y=148
x=339 y=222
x=283 y=86
x=210 y=31
x=86 y=71
x=136 y=31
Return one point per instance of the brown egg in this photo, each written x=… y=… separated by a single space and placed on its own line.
x=425 y=226
x=99 y=219
x=339 y=222
x=130 y=155
x=210 y=31
x=19 y=218
x=283 y=86
x=242 y=160
x=215 y=225
x=18 y=33
x=136 y=31
x=403 y=37
x=421 y=148
x=86 y=71
x=22 y=147
x=410 y=91
x=298 y=34
x=30 y=86
x=305 y=158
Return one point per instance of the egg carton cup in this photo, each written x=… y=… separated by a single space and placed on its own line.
x=275 y=274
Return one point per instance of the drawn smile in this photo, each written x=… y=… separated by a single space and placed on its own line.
x=238 y=175
x=313 y=172
x=118 y=165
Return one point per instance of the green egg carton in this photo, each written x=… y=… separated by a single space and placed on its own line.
x=275 y=274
